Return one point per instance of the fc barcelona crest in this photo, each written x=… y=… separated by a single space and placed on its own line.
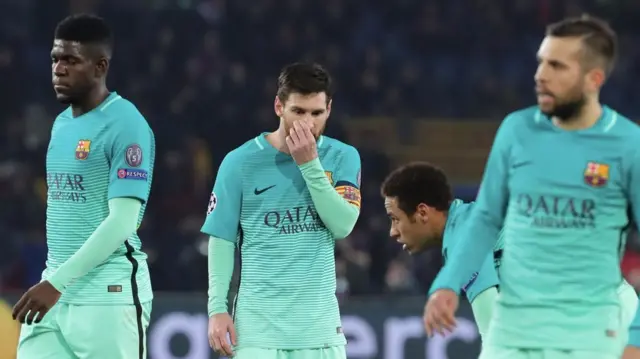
x=329 y=176
x=596 y=174
x=82 y=150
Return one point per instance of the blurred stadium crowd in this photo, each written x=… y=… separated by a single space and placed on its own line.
x=203 y=72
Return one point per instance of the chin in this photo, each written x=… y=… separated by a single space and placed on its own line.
x=63 y=99
x=547 y=110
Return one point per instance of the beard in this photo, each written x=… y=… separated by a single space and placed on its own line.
x=570 y=109
x=567 y=108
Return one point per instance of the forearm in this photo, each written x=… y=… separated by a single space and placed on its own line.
x=482 y=307
x=336 y=213
x=221 y=260
x=119 y=225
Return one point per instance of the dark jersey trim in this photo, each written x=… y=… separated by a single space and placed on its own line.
x=136 y=297
x=234 y=305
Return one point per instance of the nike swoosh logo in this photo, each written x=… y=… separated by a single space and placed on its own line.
x=520 y=164
x=261 y=191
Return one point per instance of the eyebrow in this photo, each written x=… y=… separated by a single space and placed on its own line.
x=310 y=110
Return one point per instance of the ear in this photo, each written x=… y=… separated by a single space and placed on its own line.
x=102 y=66
x=278 y=107
x=422 y=213
x=329 y=107
x=596 y=79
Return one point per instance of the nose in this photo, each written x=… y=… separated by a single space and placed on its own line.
x=393 y=233
x=58 y=69
x=540 y=75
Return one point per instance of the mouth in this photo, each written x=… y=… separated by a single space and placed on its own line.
x=404 y=245
x=544 y=96
x=61 y=88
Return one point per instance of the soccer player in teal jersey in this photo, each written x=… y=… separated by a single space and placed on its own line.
x=94 y=299
x=424 y=214
x=560 y=181
x=283 y=199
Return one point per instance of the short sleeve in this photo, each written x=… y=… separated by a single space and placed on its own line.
x=132 y=159
x=348 y=176
x=225 y=202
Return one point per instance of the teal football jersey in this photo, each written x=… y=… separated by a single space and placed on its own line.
x=562 y=199
x=286 y=298
x=487 y=276
x=106 y=153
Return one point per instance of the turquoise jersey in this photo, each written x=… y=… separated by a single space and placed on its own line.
x=286 y=298
x=487 y=276
x=562 y=199
x=103 y=154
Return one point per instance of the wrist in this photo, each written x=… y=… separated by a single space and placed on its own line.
x=311 y=165
x=216 y=308
x=434 y=290
x=57 y=282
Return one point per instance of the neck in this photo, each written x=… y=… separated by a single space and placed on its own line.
x=585 y=118
x=91 y=100
x=442 y=223
x=278 y=138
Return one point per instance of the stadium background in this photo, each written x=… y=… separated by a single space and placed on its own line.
x=416 y=80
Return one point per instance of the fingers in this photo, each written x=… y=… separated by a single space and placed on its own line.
x=219 y=342
x=17 y=309
x=217 y=347
x=303 y=135
x=24 y=311
x=31 y=316
x=211 y=338
x=225 y=345
x=293 y=134
x=304 y=131
x=41 y=313
x=439 y=318
x=232 y=335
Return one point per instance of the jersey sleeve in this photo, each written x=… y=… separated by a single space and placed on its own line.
x=348 y=177
x=225 y=202
x=482 y=280
x=486 y=218
x=132 y=157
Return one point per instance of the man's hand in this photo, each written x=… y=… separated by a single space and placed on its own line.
x=439 y=312
x=631 y=352
x=219 y=326
x=35 y=302
x=302 y=143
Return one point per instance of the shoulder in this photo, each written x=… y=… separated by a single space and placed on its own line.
x=624 y=126
x=65 y=115
x=461 y=213
x=122 y=112
x=522 y=118
x=239 y=154
x=331 y=144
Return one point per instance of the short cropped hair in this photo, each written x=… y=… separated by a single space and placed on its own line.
x=85 y=29
x=305 y=79
x=600 y=40
x=418 y=182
